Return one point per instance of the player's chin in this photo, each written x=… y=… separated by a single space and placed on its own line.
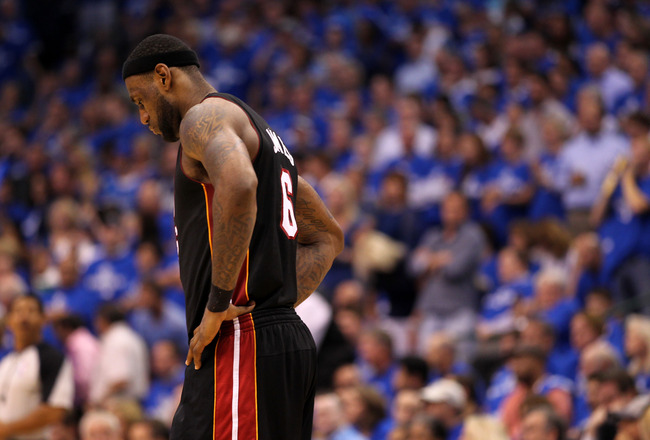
x=170 y=137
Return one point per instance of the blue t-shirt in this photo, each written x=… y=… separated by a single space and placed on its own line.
x=509 y=178
x=547 y=202
x=77 y=300
x=496 y=308
x=502 y=384
x=559 y=316
x=161 y=390
x=621 y=230
x=473 y=186
x=111 y=277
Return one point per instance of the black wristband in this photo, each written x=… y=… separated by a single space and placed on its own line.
x=219 y=299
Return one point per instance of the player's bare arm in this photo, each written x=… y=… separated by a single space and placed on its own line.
x=211 y=136
x=320 y=240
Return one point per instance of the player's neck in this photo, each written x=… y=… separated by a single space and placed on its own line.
x=194 y=92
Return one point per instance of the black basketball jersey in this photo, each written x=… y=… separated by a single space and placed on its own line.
x=268 y=274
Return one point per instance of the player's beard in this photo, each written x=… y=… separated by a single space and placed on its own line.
x=169 y=120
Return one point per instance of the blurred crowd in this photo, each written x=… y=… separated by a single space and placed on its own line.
x=488 y=161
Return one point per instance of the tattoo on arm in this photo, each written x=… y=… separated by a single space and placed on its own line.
x=207 y=136
x=319 y=240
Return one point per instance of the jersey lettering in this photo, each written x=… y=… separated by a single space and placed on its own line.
x=289 y=225
x=278 y=145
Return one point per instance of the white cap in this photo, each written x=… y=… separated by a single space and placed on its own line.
x=445 y=391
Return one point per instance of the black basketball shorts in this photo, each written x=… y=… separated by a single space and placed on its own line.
x=257 y=381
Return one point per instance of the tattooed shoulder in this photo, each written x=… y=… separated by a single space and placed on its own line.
x=201 y=124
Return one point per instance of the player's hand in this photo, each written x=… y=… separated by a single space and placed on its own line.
x=208 y=329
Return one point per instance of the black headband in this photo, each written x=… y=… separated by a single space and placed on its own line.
x=147 y=63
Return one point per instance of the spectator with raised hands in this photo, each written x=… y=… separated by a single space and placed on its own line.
x=620 y=215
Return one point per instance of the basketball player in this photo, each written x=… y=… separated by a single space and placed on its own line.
x=254 y=241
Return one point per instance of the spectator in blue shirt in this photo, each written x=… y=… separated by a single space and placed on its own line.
x=551 y=303
x=71 y=296
x=111 y=275
x=366 y=410
x=329 y=420
x=498 y=308
x=620 y=213
x=599 y=304
x=541 y=334
x=612 y=82
x=156 y=318
x=475 y=171
x=635 y=99
x=168 y=371
x=377 y=363
x=547 y=201
x=510 y=187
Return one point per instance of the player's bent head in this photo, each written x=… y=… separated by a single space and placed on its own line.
x=158 y=73
x=160 y=48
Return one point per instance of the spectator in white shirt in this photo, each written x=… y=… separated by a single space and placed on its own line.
x=419 y=71
x=611 y=82
x=36 y=384
x=586 y=159
x=409 y=134
x=123 y=364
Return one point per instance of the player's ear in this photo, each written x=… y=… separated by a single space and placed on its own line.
x=162 y=76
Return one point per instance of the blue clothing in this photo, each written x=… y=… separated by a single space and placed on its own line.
x=170 y=326
x=457 y=369
x=496 y=310
x=502 y=384
x=587 y=282
x=473 y=186
x=346 y=433
x=76 y=300
x=615 y=335
x=550 y=383
x=621 y=230
x=381 y=382
x=455 y=432
x=642 y=382
x=508 y=178
x=430 y=180
x=559 y=317
x=563 y=362
x=161 y=390
x=382 y=430
x=111 y=277
x=547 y=202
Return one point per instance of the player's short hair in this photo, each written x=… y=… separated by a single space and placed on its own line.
x=160 y=48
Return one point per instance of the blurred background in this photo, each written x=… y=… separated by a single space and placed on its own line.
x=488 y=161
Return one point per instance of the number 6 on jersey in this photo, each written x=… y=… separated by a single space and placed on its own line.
x=289 y=225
